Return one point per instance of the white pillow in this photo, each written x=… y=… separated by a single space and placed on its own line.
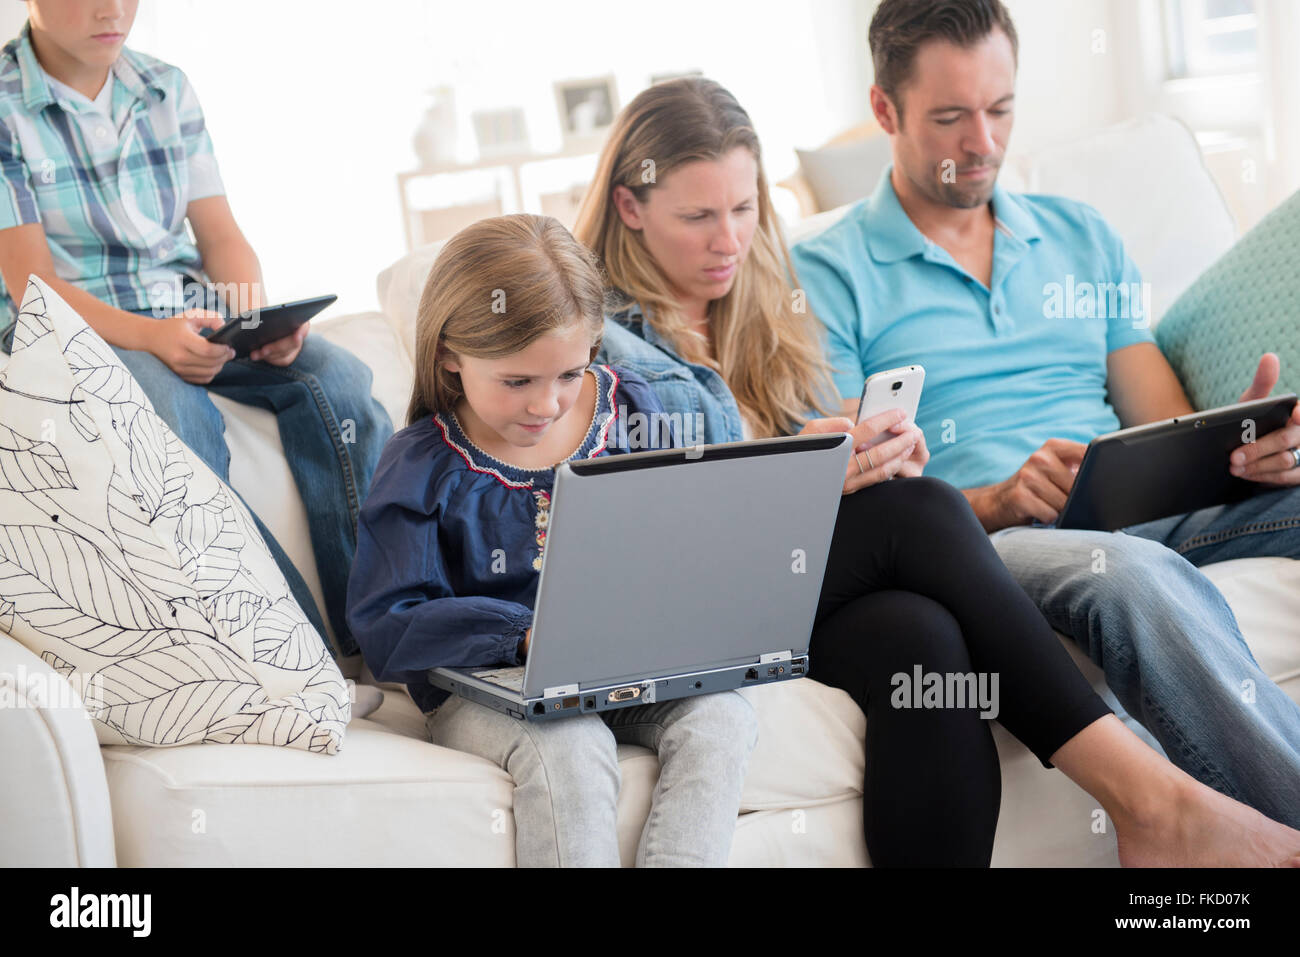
x=400 y=287
x=125 y=561
x=844 y=173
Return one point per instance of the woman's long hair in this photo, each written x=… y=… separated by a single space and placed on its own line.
x=497 y=286
x=765 y=341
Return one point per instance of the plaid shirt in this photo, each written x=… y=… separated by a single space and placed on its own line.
x=111 y=198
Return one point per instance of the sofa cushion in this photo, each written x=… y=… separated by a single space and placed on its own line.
x=840 y=173
x=400 y=287
x=136 y=573
x=388 y=800
x=1147 y=177
x=1246 y=304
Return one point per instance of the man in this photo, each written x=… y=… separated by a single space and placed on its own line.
x=104 y=157
x=944 y=268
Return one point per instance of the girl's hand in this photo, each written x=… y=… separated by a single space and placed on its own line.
x=177 y=344
x=885 y=460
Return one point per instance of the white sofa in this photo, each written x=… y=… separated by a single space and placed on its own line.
x=392 y=798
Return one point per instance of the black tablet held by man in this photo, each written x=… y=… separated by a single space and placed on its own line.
x=1170 y=467
x=257 y=328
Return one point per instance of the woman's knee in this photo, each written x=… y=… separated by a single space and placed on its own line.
x=888 y=632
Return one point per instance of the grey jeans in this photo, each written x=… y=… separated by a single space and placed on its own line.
x=567 y=777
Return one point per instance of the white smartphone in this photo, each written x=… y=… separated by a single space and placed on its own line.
x=892 y=389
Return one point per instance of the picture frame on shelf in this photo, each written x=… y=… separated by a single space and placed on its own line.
x=587 y=108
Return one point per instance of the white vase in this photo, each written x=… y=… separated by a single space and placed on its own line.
x=435 y=137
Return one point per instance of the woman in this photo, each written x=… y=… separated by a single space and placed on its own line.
x=680 y=215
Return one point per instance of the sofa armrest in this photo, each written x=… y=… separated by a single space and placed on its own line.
x=53 y=790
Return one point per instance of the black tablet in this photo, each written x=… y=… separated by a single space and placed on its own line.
x=252 y=330
x=1170 y=467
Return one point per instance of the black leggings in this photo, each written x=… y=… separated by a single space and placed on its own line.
x=912 y=579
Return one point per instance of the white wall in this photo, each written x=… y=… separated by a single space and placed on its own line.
x=312 y=113
x=312 y=107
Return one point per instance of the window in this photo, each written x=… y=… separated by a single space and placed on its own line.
x=1210 y=37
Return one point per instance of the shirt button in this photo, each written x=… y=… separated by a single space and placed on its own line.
x=101 y=132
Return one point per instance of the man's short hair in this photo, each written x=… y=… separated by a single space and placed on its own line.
x=900 y=27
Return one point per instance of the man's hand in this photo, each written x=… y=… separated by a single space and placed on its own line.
x=884 y=461
x=177 y=343
x=1037 y=491
x=1268 y=459
x=283 y=351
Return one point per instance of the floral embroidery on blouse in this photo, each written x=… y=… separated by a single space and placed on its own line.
x=541 y=521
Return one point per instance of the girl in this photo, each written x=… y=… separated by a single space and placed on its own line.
x=451 y=538
x=709 y=315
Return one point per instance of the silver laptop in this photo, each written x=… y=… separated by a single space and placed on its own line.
x=673 y=573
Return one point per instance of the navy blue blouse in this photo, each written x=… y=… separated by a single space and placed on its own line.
x=450 y=540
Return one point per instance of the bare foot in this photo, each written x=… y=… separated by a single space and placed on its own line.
x=1202 y=828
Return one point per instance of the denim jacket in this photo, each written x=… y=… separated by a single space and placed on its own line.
x=696 y=392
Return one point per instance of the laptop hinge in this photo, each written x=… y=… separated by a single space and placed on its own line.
x=775 y=656
x=559 y=691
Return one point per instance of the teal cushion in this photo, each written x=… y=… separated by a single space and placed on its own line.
x=1244 y=305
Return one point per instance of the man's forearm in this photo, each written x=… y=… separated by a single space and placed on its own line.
x=983 y=503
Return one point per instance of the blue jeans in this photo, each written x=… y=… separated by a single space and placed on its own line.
x=1167 y=641
x=332 y=431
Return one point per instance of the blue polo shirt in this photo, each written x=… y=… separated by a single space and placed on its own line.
x=1006 y=367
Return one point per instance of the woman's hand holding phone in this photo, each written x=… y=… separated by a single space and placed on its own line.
x=902 y=453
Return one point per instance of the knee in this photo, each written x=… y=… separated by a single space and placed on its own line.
x=933 y=497
x=727 y=717
x=1121 y=567
x=924 y=505
x=907 y=629
x=179 y=403
x=580 y=750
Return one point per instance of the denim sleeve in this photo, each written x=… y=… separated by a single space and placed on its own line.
x=402 y=608
x=830 y=297
x=642 y=406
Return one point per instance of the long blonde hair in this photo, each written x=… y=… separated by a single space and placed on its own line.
x=497 y=286
x=765 y=341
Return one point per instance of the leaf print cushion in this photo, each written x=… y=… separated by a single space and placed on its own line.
x=125 y=563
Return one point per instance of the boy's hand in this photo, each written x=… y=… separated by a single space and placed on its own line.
x=177 y=343
x=283 y=351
